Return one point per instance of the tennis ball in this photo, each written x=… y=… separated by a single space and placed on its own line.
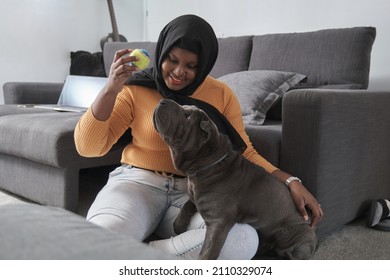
x=143 y=58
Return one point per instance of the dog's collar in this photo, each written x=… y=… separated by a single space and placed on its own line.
x=210 y=165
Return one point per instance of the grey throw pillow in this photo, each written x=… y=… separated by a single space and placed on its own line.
x=258 y=90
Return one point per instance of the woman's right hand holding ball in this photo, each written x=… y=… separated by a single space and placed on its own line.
x=121 y=70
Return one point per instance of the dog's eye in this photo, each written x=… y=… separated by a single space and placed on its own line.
x=187 y=116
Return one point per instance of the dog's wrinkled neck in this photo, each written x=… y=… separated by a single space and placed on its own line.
x=194 y=173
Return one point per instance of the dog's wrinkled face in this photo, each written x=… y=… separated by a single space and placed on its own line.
x=182 y=127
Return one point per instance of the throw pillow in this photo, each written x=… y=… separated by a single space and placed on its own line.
x=258 y=90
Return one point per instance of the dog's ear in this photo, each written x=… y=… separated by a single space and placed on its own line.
x=206 y=128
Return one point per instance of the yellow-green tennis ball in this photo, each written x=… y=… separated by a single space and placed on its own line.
x=143 y=58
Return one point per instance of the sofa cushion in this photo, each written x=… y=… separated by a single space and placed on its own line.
x=331 y=56
x=42 y=137
x=233 y=55
x=258 y=90
x=47 y=138
x=31 y=231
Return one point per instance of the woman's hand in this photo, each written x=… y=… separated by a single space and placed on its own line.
x=120 y=71
x=302 y=199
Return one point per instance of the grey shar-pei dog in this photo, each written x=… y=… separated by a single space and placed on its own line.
x=226 y=188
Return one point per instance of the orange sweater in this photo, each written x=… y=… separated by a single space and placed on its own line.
x=134 y=108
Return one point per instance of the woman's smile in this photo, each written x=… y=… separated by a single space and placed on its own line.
x=175 y=81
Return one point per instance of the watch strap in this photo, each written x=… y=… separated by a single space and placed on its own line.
x=290 y=179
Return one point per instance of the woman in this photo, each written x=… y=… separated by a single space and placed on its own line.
x=144 y=195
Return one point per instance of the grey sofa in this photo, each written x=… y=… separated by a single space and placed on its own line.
x=30 y=231
x=328 y=129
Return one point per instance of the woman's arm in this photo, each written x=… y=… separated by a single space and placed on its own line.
x=120 y=71
x=95 y=132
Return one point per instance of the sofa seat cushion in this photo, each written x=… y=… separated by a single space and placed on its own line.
x=41 y=137
x=31 y=231
x=48 y=139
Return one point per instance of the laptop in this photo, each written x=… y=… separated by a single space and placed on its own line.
x=78 y=94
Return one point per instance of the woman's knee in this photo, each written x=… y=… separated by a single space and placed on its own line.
x=241 y=243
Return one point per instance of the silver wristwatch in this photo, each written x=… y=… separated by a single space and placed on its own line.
x=289 y=180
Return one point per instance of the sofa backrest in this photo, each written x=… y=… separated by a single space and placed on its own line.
x=327 y=57
x=233 y=56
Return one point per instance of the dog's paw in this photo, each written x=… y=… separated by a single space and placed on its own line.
x=302 y=252
x=296 y=242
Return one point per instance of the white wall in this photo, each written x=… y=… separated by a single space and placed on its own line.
x=37 y=36
x=256 y=17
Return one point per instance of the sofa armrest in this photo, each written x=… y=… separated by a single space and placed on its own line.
x=31 y=93
x=337 y=142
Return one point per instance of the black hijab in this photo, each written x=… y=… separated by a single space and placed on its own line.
x=194 y=34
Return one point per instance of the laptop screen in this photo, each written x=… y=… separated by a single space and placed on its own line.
x=81 y=91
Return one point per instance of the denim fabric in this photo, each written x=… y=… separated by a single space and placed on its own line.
x=135 y=201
